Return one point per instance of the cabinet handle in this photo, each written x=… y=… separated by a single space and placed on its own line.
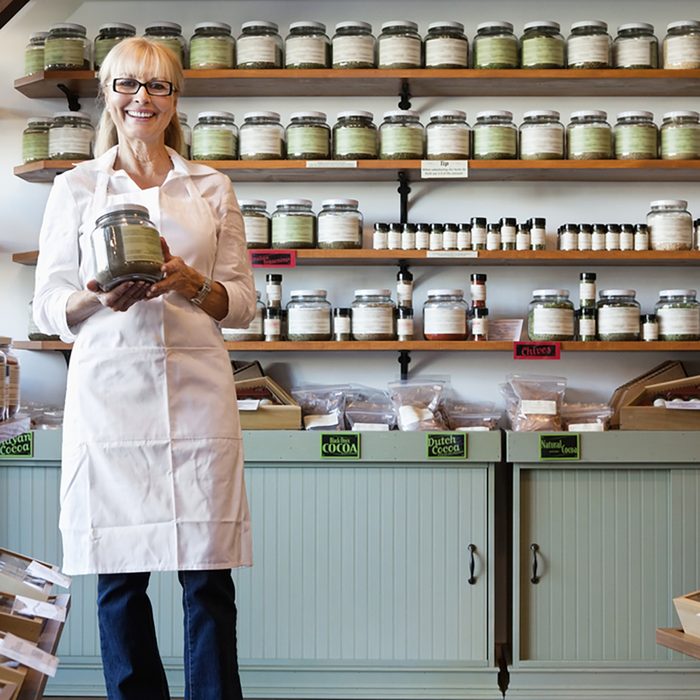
x=472 y=564
x=534 y=548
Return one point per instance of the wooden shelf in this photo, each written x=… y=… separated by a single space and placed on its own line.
x=678 y=640
x=378 y=82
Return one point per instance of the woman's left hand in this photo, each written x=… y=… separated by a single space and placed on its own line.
x=177 y=276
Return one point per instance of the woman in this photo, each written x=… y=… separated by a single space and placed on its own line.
x=152 y=466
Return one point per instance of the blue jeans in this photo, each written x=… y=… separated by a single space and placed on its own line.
x=133 y=668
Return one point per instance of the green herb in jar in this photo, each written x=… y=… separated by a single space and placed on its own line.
x=550 y=315
x=619 y=317
x=678 y=314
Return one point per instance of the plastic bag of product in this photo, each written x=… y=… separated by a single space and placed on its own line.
x=533 y=402
x=322 y=407
x=586 y=417
x=368 y=409
x=417 y=403
x=460 y=415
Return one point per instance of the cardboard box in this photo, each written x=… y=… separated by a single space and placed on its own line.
x=640 y=414
x=28 y=628
x=688 y=609
x=285 y=416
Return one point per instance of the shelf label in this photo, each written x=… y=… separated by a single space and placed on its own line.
x=536 y=351
x=18 y=446
x=445 y=169
x=451 y=253
x=331 y=163
x=446 y=445
x=340 y=446
x=39 y=570
x=558 y=447
x=269 y=258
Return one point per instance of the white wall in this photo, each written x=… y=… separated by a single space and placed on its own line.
x=476 y=375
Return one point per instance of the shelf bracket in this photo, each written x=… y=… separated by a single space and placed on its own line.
x=73 y=104
x=404 y=190
x=404 y=361
x=405 y=95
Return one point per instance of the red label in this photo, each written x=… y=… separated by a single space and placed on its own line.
x=273 y=258
x=536 y=351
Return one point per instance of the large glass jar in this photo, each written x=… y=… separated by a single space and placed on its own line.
x=589 y=45
x=399 y=45
x=109 y=35
x=678 y=314
x=495 y=46
x=35 y=139
x=670 y=225
x=680 y=135
x=495 y=136
x=308 y=136
x=541 y=136
x=550 y=315
x=339 y=224
x=256 y=222
x=681 y=46
x=447 y=135
x=542 y=46
x=215 y=137
x=401 y=136
x=445 y=315
x=353 y=45
x=589 y=136
x=261 y=136
x=169 y=34
x=70 y=136
x=635 y=46
x=34 y=53
x=354 y=136
x=446 y=45
x=259 y=45
x=11 y=380
x=254 y=330
x=186 y=145
x=373 y=315
x=66 y=47
x=212 y=46
x=126 y=246
x=307 y=46
x=309 y=315
x=636 y=136
x=293 y=224
x=619 y=316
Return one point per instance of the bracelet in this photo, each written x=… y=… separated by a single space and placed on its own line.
x=203 y=292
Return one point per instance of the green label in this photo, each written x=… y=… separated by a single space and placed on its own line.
x=18 y=446
x=401 y=140
x=495 y=139
x=211 y=52
x=102 y=48
x=173 y=43
x=351 y=140
x=33 y=60
x=340 y=446
x=35 y=146
x=589 y=139
x=560 y=447
x=495 y=50
x=636 y=140
x=543 y=49
x=680 y=142
x=64 y=52
x=213 y=141
x=446 y=445
x=307 y=139
x=290 y=228
x=141 y=243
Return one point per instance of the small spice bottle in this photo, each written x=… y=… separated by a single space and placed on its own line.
x=598 y=237
x=445 y=315
x=477 y=290
x=680 y=135
x=480 y=324
x=261 y=136
x=308 y=136
x=272 y=324
x=11 y=378
x=401 y=136
x=495 y=46
x=215 y=136
x=678 y=314
x=542 y=45
x=399 y=45
x=212 y=46
x=380 y=236
x=618 y=315
x=273 y=291
x=308 y=315
x=35 y=139
x=495 y=136
x=446 y=45
x=612 y=237
x=589 y=136
x=109 y=35
x=255 y=329
x=586 y=324
x=169 y=34
x=650 y=327
x=404 y=323
x=259 y=45
x=307 y=46
x=256 y=222
x=449 y=237
x=447 y=135
x=568 y=237
x=437 y=237
x=293 y=224
x=186 y=145
x=541 y=136
x=423 y=237
x=538 y=233
x=587 y=290
x=408 y=237
x=585 y=237
x=355 y=136
x=353 y=45
x=34 y=53
x=641 y=237
x=636 y=136
x=493 y=236
x=696 y=237
x=589 y=45
x=635 y=46
x=373 y=315
x=479 y=233
x=70 y=136
x=627 y=237
x=670 y=225
x=464 y=236
x=550 y=315
x=404 y=288
x=508 y=233
x=339 y=224
x=522 y=237
x=342 y=324
x=681 y=46
x=395 y=233
x=66 y=47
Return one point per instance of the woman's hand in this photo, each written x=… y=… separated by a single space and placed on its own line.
x=177 y=276
x=122 y=297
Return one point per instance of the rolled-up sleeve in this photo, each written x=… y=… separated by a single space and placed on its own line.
x=57 y=270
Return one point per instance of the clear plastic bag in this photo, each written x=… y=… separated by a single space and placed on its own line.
x=533 y=402
x=417 y=403
x=369 y=409
x=460 y=415
x=586 y=417
x=322 y=407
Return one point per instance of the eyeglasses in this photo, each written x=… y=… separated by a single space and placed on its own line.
x=130 y=86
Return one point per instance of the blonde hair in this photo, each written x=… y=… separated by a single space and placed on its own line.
x=134 y=57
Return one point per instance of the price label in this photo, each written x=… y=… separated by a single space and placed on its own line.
x=444 y=169
x=331 y=164
x=340 y=446
x=276 y=258
x=18 y=446
x=452 y=254
x=446 y=445
x=536 y=351
x=560 y=447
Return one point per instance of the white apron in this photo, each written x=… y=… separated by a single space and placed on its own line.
x=152 y=473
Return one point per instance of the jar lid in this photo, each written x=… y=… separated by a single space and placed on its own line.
x=642 y=114
x=68 y=26
x=339 y=202
x=39 y=120
x=259 y=23
x=445 y=292
x=538 y=113
x=261 y=115
x=252 y=203
x=308 y=24
x=647 y=318
x=457 y=113
x=494 y=24
x=678 y=203
x=399 y=23
x=78 y=115
x=123 y=207
x=118 y=25
x=164 y=25
x=478 y=277
x=451 y=25
x=353 y=24
x=342 y=311
x=588 y=277
x=182 y=117
x=410 y=113
x=599 y=24
x=550 y=292
x=636 y=25
x=213 y=114
x=38 y=35
x=308 y=293
x=537 y=222
x=617 y=293
x=478 y=221
x=682 y=113
x=505 y=114
x=273 y=277
x=293 y=202
x=308 y=115
x=683 y=23
x=4 y=340
x=481 y=312
x=355 y=113
x=595 y=113
x=542 y=23
x=372 y=293
x=678 y=292
x=215 y=25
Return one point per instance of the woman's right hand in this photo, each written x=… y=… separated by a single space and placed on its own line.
x=122 y=297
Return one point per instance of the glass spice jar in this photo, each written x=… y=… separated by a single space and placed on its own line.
x=449 y=237
x=589 y=45
x=696 y=237
x=627 y=237
x=542 y=46
x=636 y=136
x=479 y=232
x=447 y=135
x=446 y=45
x=169 y=34
x=550 y=315
x=70 y=136
x=354 y=136
x=308 y=136
x=339 y=224
x=670 y=225
x=680 y=135
x=186 y=145
x=589 y=136
x=567 y=236
x=109 y=35
x=11 y=379
x=261 y=136
x=66 y=47
x=464 y=236
x=404 y=288
x=495 y=46
x=215 y=136
x=256 y=222
x=293 y=224
x=272 y=324
x=587 y=290
x=618 y=315
x=612 y=237
x=437 y=237
x=495 y=136
x=479 y=330
x=401 y=136
x=477 y=290
x=585 y=237
x=538 y=233
x=423 y=236
x=681 y=45
x=541 y=136
x=373 y=315
x=493 y=236
x=353 y=45
x=635 y=46
x=408 y=237
x=212 y=46
x=35 y=139
x=586 y=323
x=399 y=45
x=308 y=315
x=445 y=315
x=394 y=236
x=34 y=53
x=342 y=324
x=255 y=329
x=641 y=237
x=522 y=237
x=380 y=236
x=259 y=46
x=273 y=291
x=598 y=236
x=650 y=327
x=404 y=323
x=678 y=314
x=307 y=46
x=508 y=232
